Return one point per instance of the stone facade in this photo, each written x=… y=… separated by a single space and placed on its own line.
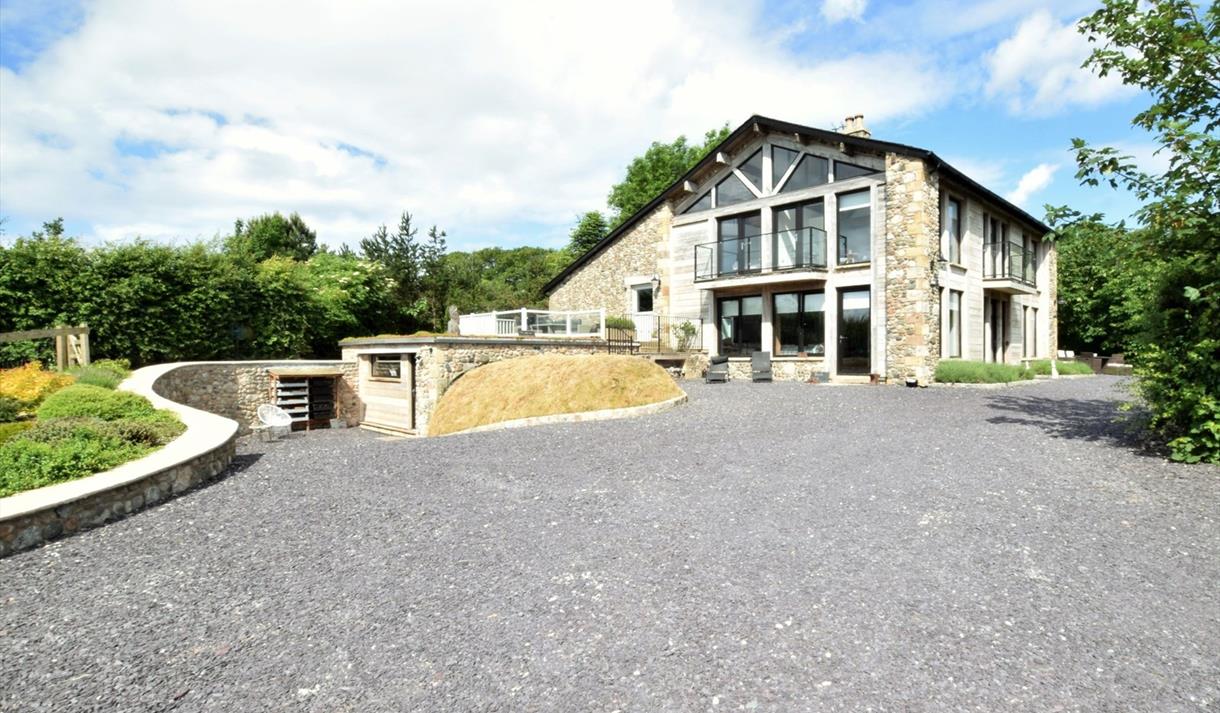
x=27 y=531
x=912 y=304
x=236 y=389
x=599 y=282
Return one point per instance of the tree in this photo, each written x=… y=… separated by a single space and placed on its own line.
x=416 y=268
x=273 y=235
x=1168 y=49
x=660 y=166
x=588 y=232
x=498 y=278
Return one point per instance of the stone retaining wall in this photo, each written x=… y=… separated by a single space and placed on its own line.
x=236 y=389
x=201 y=453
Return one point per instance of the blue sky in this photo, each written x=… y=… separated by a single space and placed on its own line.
x=502 y=123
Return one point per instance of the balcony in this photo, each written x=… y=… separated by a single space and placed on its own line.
x=791 y=250
x=1010 y=268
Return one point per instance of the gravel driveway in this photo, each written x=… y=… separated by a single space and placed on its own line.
x=770 y=547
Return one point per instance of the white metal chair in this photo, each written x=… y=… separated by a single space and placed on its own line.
x=276 y=421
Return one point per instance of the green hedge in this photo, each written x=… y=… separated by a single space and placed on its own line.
x=26 y=464
x=957 y=371
x=1042 y=367
x=94 y=401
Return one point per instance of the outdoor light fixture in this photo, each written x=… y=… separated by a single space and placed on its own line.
x=656 y=284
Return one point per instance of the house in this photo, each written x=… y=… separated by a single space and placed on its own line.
x=834 y=252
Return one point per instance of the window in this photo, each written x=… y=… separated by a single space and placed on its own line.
x=800 y=235
x=740 y=325
x=811 y=171
x=387 y=366
x=955 y=324
x=739 y=243
x=731 y=190
x=704 y=202
x=781 y=159
x=752 y=168
x=953 y=226
x=855 y=240
x=844 y=171
x=1030 y=318
x=800 y=323
x=643 y=298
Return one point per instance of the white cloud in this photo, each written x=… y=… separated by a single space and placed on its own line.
x=1038 y=71
x=496 y=121
x=839 y=10
x=1034 y=180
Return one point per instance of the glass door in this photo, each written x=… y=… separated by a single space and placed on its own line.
x=799 y=239
x=854 y=323
x=738 y=236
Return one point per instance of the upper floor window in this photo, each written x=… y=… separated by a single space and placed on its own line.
x=731 y=190
x=953 y=229
x=855 y=234
x=844 y=171
x=704 y=203
x=811 y=171
x=752 y=169
x=781 y=159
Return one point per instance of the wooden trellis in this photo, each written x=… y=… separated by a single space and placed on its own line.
x=71 y=343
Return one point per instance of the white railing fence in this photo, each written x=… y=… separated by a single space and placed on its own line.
x=541 y=322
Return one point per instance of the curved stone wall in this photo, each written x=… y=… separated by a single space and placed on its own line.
x=201 y=453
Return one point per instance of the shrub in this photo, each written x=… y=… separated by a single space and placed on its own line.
x=9 y=430
x=1042 y=367
x=94 y=376
x=957 y=371
x=620 y=323
x=95 y=401
x=29 y=383
x=156 y=429
x=26 y=464
x=9 y=408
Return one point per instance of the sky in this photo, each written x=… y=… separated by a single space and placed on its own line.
x=502 y=122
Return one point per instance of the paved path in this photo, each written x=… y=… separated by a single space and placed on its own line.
x=776 y=547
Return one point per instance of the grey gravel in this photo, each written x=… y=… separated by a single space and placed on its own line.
x=770 y=547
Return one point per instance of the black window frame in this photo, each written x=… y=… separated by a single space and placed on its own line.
x=738 y=326
x=804 y=324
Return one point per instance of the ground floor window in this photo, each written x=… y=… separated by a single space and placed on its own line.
x=387 y=366
x=955 y=323
x=740 y=325
x=1030 y=318
x=800 y=323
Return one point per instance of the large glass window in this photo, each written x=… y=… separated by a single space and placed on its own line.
x=844 y=171
x=799 y=322
x=953 y=229
x=740 y=325
x=800 y=237
x=740 y=243
x=752 y=168
x=811 y=171
x=731 y=190
x=855 y=239
x=704 y=202
x=955 y=323
x=781 y=159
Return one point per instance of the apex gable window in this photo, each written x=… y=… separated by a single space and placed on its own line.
x=781 y=159
x=800 y=323
x=811 y=171
x=844 y=171
x=731 y=190
x=740 y=325
x=953 y=229
x=752 y=169
x=704 y=203
x=855 y=234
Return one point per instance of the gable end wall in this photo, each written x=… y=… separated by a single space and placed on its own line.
x=599 y=282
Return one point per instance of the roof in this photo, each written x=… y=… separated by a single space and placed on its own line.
x=767 y=123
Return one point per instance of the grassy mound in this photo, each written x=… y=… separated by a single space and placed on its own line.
x=957 y=371
x=549 y=384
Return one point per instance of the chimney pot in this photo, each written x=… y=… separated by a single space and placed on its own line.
x=854 y=126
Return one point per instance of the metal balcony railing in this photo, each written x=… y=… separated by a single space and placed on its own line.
x=1010 y=261
x=800 y=249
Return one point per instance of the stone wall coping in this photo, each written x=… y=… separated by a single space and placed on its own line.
x=204 y=433
x=579 y=416
x=473 y=341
